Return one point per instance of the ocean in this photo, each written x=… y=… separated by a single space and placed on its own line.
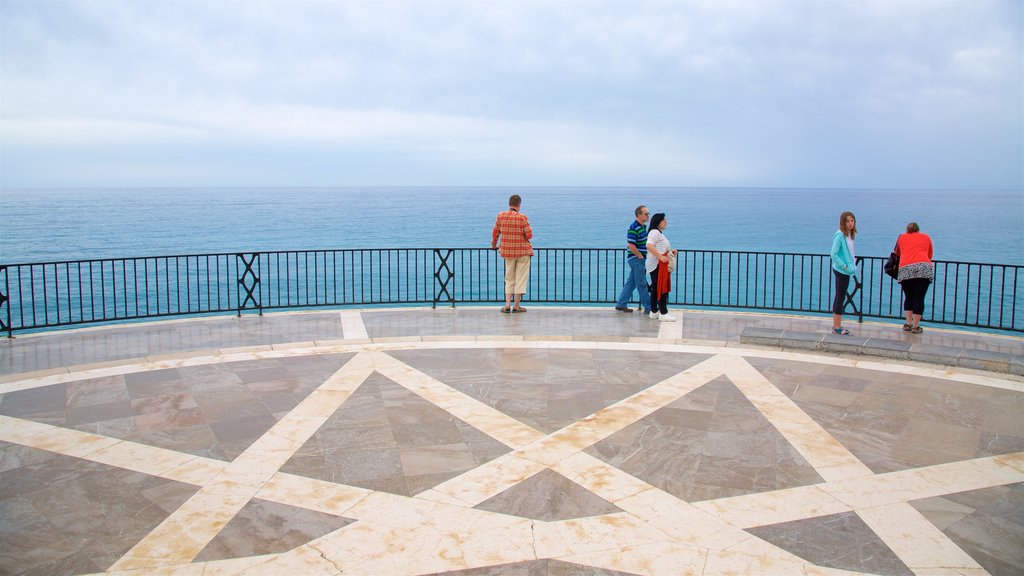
x=43 y=225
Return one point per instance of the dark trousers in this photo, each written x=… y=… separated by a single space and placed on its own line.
x=842 y=283
x=914 y=291
x=659 y=305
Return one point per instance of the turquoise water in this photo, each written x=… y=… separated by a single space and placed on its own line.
x=51 y=225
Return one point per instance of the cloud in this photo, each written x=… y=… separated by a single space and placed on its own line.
x=692 y=93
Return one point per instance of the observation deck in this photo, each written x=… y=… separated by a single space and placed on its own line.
x=566 y=440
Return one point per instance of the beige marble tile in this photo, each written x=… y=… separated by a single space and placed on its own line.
x=183 y=569
x=352 y=324
x=488 y=480
x=776 y=507
x=1013 y=460
x=656 y=559
x=184 y=534
x=915 y=540
x=140 y=458
x=681 y=520
x=737 y=562
x=607 y=533
x=600 y=478
x=974 y=474
x=312 y=494
x=197 y=471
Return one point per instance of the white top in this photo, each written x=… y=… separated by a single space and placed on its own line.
x=849 y=243
x=661 y=244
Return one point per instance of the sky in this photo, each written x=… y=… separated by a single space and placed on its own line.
x=838 y=94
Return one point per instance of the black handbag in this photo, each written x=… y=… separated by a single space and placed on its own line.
x=892 y=265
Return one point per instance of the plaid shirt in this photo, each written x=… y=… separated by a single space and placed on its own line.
x=515 y=232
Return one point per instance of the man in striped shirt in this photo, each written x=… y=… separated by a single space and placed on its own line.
x=514 y=231
x=636 y=244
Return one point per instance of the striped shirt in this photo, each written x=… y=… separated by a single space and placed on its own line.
x=637 y=236
x=514 y=230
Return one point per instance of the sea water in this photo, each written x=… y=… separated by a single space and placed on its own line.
x=43 y=225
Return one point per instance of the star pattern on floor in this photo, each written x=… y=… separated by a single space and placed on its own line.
x=467 y=521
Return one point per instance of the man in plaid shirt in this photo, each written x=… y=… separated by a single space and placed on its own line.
x=514 y=230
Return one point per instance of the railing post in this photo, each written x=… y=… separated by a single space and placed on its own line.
x=5 y=302
x=249 y=282
x=441 y=284
x=860 y=298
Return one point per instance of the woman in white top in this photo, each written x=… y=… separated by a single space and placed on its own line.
x=659 y=250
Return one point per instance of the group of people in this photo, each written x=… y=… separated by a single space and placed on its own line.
x=916 y=271
x=650 y=254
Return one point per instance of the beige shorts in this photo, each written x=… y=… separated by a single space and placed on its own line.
x=517 y=274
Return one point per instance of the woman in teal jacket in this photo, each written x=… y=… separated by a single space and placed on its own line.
x=844 y=265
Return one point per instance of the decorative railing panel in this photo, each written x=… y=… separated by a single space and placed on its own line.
x=52 y=294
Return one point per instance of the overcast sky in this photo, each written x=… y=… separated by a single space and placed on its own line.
x=911 y=94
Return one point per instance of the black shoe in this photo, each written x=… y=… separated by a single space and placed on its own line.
x=623 y=309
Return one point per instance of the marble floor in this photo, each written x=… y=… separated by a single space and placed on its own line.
x=467 y=442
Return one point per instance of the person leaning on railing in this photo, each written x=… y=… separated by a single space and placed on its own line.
x=916 y=273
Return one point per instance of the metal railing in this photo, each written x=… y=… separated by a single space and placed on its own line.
x=53 y=294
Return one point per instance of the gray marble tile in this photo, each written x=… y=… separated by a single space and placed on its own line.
x=987 y=524
x=548 y=496
x=547 y=389
x=263 y=527
x=711 y=443
x=840 y=541
x=65 y=512
x=384 y=437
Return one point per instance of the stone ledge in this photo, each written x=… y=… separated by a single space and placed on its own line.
x=897 y=349
x=986 y=360
x=932 y=354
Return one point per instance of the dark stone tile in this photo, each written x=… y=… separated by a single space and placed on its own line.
x=990 y=529
x=44 y=400
x=839 y=541
x=548 y=496
x=711 y=443
x=14 y=456
x=135 y=379
x=71 y=512
x=263 y=527
x=98 y=413
x=236 y=435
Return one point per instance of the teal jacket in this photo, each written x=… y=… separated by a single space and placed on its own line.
x=842 y=260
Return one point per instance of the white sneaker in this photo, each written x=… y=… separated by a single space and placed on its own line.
x=653 y=315
x=668 y=318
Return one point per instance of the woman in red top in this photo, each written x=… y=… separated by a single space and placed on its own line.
x=915 y=275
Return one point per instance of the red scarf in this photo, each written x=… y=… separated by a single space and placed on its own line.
x=664 y=280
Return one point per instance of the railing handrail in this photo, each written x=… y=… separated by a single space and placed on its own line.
x=431 y=248
x=465 y=248
x=71 y=292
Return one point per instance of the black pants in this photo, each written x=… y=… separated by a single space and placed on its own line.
x=842 y=283
x=657 y=304
x=914 y=290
